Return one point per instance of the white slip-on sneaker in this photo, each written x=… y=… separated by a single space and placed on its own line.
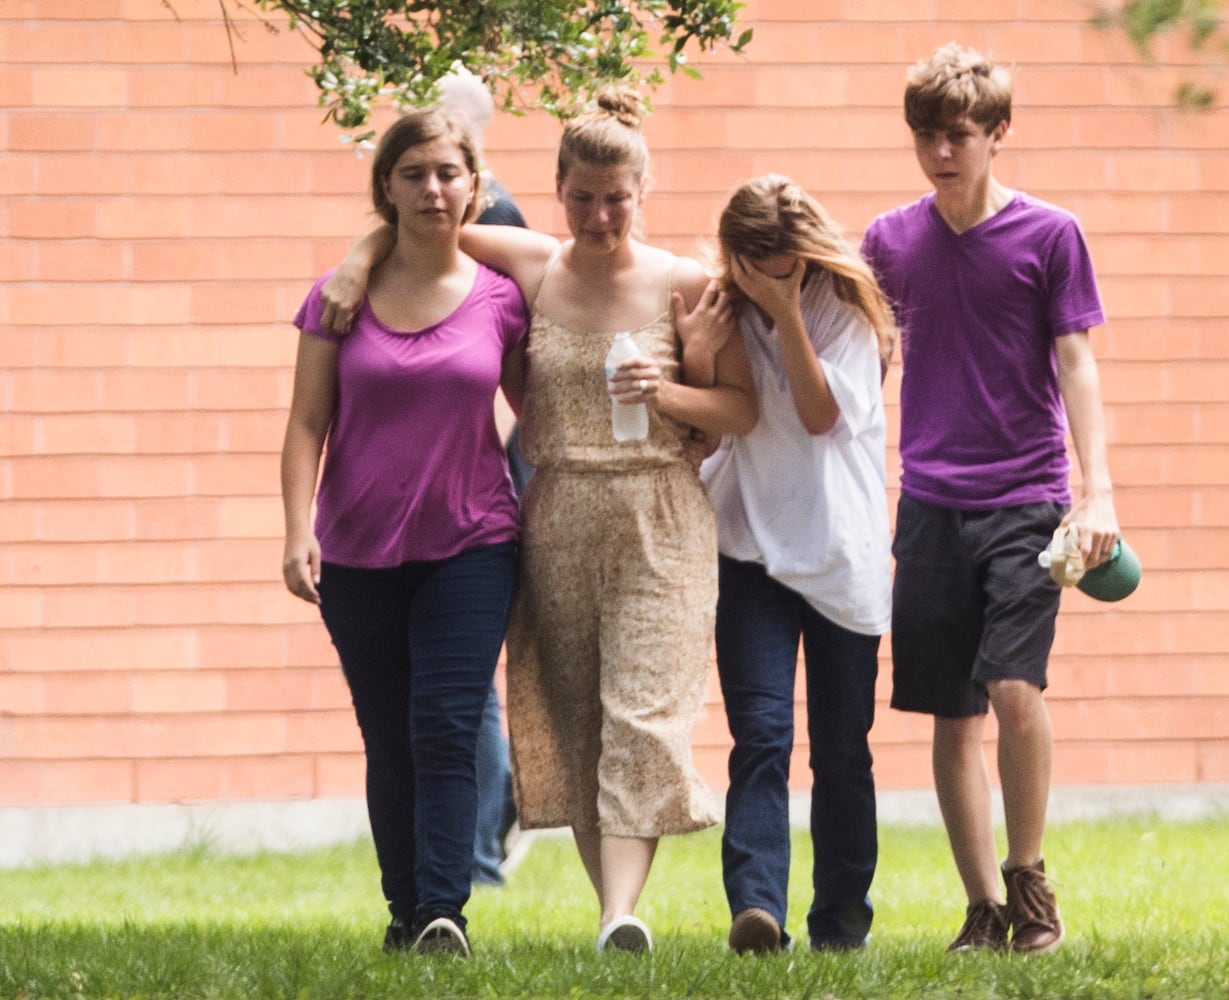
x=626 y=934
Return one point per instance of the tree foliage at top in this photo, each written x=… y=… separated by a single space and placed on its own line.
x=532 y=53
x=553 y=54
x=1201 y=20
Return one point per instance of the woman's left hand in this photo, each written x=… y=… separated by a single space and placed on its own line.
x=709 y=325
x=637 y=380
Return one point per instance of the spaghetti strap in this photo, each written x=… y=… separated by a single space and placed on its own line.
x=600 y=732
x=550 y=264
x=668 y=307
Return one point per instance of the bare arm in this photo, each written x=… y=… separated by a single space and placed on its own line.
x=729 y=406
x=512 y=377
x=704 y=331
x=726 y=406
x=520 y=253
x=1093 y=513
x=780 y=298
x=311 y=412
x=343 y=292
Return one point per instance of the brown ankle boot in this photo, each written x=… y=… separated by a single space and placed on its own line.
x=1032 y=910
x=985 y=927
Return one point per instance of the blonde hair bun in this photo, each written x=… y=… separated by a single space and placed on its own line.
x=607 y=133
x=622 y=102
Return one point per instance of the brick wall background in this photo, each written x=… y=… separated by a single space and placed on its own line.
x=164 y=213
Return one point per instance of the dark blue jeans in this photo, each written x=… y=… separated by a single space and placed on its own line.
x=496 y=806
x=418 y=646
x=759 y=622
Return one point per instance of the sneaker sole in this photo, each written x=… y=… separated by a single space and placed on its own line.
x=442 y=937
x=1049 y=949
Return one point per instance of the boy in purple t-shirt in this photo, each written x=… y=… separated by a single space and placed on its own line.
x=994 y=292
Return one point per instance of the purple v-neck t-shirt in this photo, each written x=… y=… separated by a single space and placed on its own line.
x=414 y=469
x=982 y=419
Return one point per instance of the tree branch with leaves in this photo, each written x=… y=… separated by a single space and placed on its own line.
x=551 y=54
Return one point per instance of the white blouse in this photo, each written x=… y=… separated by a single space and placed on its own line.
x=812 y=508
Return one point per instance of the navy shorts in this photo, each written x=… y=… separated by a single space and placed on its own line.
x=970 y=604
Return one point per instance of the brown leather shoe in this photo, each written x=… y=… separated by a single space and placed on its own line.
x=985 y=927
x=1032 y=910
x=757 y=931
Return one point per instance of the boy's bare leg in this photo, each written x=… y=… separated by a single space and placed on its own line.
x=962 y=784
x=1025 y=755
x=1025 y=761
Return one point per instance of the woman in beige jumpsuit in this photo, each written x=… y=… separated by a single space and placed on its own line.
x=610 y=644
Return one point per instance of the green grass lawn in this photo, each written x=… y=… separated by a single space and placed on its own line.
x=1145 y=903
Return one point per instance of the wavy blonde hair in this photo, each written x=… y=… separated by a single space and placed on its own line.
x=771 y=215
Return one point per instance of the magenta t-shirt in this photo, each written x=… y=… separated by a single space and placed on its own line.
x=414 y=468
x=982 y=424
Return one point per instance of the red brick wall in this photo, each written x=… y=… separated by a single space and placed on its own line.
x=163 y=215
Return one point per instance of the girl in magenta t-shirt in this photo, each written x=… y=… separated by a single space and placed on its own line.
x=412 y=556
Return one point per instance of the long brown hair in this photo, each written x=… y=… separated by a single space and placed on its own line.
x=413 y=129
x=772 y=215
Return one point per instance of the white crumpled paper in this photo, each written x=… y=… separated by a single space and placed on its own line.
x=1063 y=558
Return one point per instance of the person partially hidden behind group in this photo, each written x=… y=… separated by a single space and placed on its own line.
x=465 y=97
x=412 y=557
x=608 y=652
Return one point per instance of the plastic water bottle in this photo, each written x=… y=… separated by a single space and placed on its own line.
x=1113 y=580
x=628 y=421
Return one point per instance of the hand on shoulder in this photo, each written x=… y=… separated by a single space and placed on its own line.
x=706 y=327
x=689 y=280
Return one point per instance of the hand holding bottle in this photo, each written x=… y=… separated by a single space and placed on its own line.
x=631 y=379
x=1110 y=580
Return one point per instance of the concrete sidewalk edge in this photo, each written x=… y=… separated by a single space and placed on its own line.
x=67 y=834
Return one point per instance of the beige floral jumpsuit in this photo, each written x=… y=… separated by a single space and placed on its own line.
x=610 y=642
